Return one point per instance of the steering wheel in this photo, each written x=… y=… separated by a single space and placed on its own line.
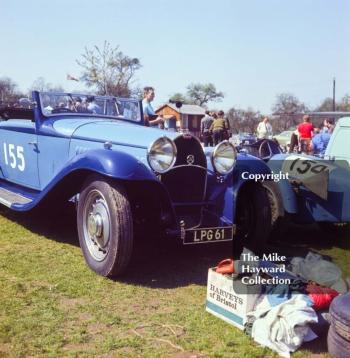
x=262 y=146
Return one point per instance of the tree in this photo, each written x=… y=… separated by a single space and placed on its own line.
x=326 y=105
x=241 y=120
x=179 y=97
x=41 y=85
x=201 y=94
x=287 y=111
x=108 y=70
x=344 y=104
x=8 y=90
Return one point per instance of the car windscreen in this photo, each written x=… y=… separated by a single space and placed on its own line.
x=53 y=104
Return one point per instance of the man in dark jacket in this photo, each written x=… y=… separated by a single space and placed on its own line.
x=218 y=128
x=206 y=123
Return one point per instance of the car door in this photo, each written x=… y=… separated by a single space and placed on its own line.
x=19 y=152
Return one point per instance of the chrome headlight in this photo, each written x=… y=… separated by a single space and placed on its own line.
x=224 y=157
x=161 y=154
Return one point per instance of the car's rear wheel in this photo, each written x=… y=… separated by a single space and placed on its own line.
x=105 y=226
x=253 y=219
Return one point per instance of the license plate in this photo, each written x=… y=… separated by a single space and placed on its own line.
x=204 y=235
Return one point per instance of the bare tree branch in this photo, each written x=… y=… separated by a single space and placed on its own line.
x=108 y=70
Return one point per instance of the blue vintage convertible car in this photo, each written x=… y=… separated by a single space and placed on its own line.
x=127 y=178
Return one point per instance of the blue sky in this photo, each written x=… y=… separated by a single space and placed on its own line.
x=250 y=49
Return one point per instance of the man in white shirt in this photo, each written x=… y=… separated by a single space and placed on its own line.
x=264 y=129
x=92 y=106
x=148 y=111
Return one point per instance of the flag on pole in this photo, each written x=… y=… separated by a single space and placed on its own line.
x=71 y=78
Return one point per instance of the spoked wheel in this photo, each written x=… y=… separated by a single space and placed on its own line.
x=105 y=227
x=253 y=219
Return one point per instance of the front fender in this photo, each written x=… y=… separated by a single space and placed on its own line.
x=246 y=164
x=115 y=164
x=223 y=194
x=286 y=191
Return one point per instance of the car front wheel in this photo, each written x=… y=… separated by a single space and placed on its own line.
x=105 y=226
x=279 y=219
x=253 y=219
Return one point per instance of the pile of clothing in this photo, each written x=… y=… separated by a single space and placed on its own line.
x=285 y=316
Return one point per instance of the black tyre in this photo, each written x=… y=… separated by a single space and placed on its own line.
x=337 y=346
x=253 y=219
x=340 y=316
x=279 y=220
x=105 y=226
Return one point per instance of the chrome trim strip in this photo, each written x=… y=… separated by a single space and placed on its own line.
x=5 y=202
x=21 y=199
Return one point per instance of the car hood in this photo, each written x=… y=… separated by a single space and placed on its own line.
x=115 y=131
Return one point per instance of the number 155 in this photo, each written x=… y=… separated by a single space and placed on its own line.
x=14 y=156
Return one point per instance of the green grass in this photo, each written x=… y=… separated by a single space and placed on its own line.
x=52 y=305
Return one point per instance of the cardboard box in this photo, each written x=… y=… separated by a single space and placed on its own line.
x=230 y=299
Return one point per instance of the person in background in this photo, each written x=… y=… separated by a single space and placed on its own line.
x=47 y=106
x=294 y=141
x=151 y=119
x=264 y=130
x=92 y=106
x=71 y=105
x=78 y=104
x=328 y=126
x=305 y=130
x=331 y=125
x=218 y=127
x=320 y=141
x=206 y=123
x=325 y=126
x=227 y=131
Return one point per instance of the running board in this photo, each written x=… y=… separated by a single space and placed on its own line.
x=9 y=198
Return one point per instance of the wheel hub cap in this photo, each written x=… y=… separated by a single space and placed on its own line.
x=97 y=225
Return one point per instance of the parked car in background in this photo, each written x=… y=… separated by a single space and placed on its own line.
x=127 y=178
x=247 y=138
x=283 y=139
x=262 y=148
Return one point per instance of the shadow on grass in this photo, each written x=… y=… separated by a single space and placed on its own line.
x=317 y=346
x=170 y=266
x=155 y=263
x=161 y=264
x=60 y=227
x=300 y=239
